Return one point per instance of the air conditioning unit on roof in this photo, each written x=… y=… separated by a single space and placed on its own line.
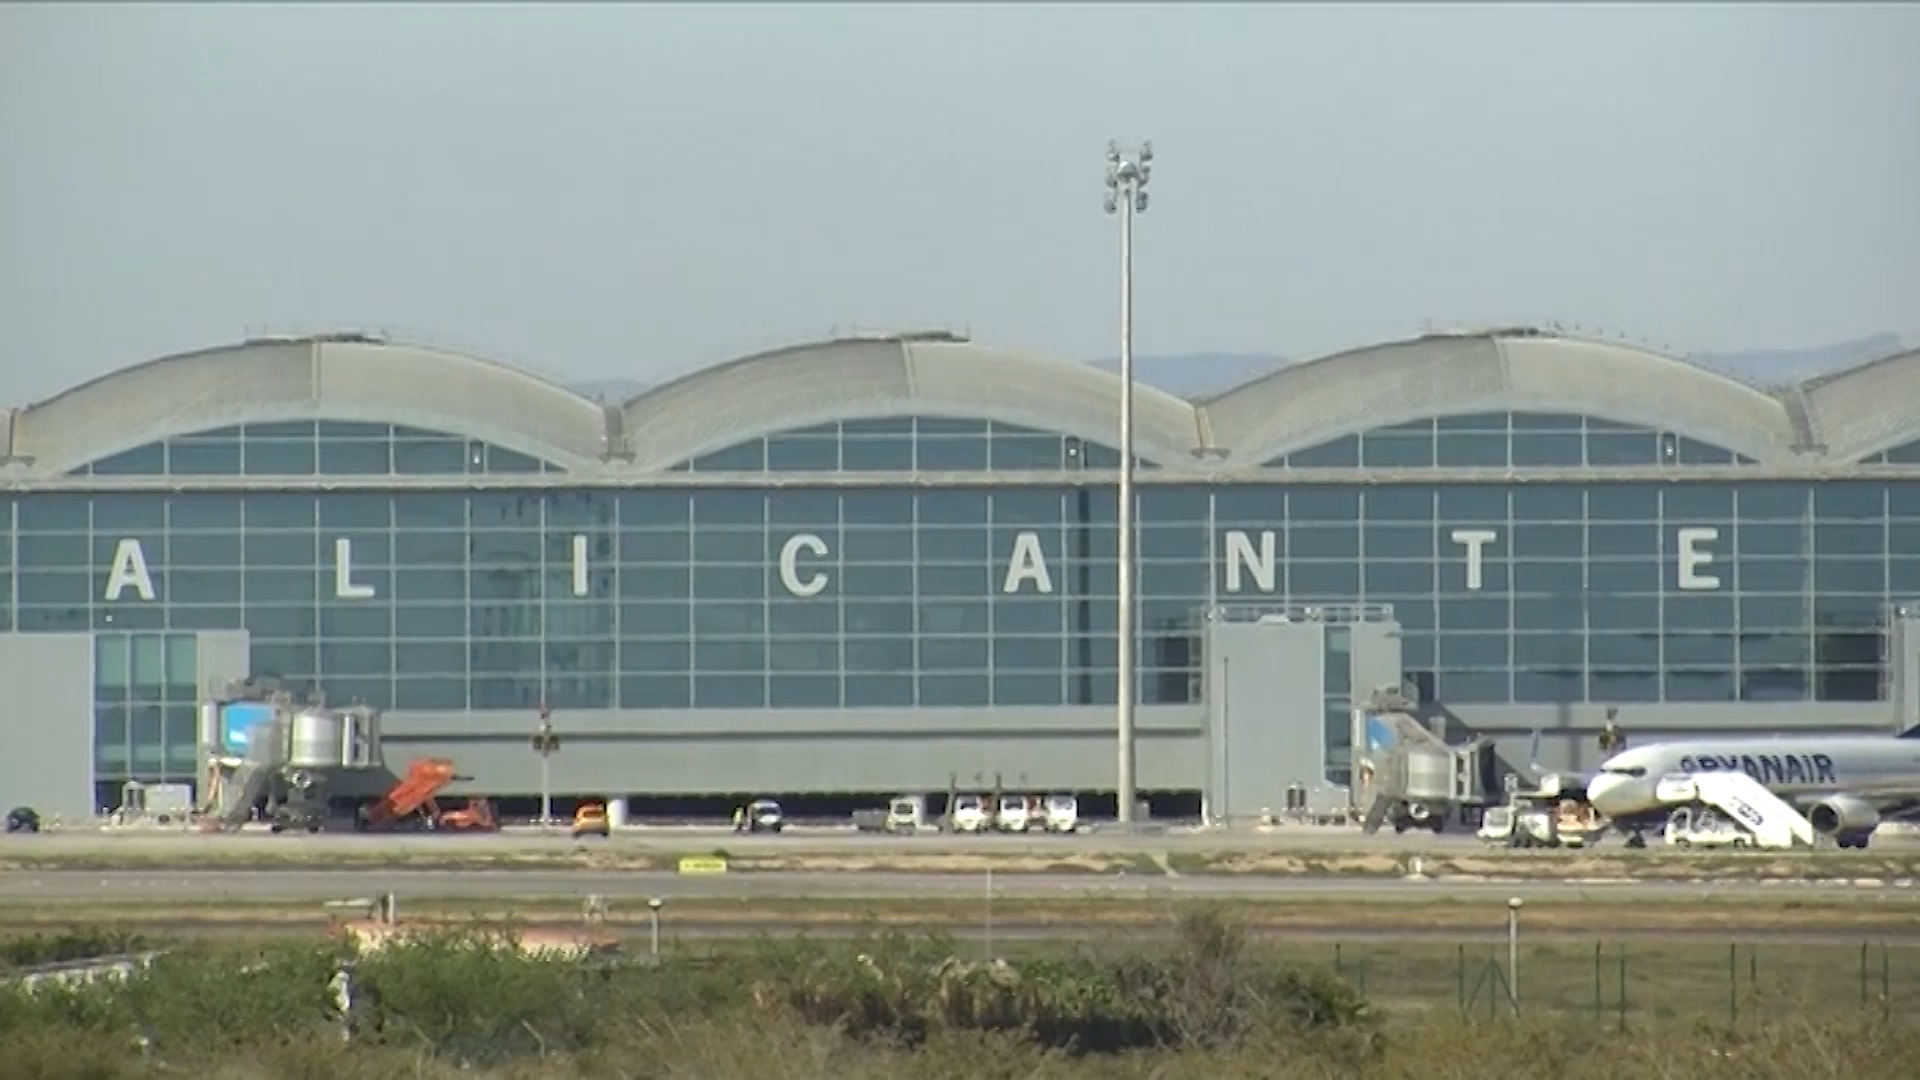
x=328 y=337
x=909 y=336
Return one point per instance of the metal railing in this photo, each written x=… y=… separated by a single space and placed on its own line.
x=1338 y=611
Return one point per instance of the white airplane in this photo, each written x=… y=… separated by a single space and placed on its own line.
x=1845 y=785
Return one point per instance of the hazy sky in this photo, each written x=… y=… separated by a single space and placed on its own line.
x=612 y=192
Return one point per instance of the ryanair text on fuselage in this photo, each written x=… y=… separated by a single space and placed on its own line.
x=1766 y=768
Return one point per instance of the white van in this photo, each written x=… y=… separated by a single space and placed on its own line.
x=1063 y=814
x=970 y=814
x=1012 y=816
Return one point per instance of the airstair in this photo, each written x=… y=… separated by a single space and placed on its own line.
x=1773 y=822
x=236 y=785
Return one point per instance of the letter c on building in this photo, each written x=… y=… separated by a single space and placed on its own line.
x=815 y=584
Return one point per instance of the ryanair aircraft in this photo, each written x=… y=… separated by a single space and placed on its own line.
x=1845 y=785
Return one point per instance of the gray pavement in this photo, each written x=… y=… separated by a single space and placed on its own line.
x=176 y=887
x=155 y=843
x=819 y=841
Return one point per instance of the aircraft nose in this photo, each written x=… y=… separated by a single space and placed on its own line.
x=1608 y=793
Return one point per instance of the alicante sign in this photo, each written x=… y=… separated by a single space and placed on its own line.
x=805 y=564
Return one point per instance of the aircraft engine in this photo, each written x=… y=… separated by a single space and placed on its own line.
x=1837 y=814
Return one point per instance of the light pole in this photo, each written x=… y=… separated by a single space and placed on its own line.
x=1513 y=952
x=546 y=743
x=1127 y=174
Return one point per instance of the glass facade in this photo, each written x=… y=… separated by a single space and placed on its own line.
x=811 y=593
x=145 y=703
x=910 y=444
x=1519 y=440
x=316 y=448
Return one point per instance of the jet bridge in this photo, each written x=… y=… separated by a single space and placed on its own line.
x=261 y=750
x=1408 y=775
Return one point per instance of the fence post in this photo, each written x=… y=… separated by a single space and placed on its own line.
x=1339 y=971
x=1753 y=971
x=1863 y=975
x=1623 y=988
x=1733 y=985
x=1886 y=985
x=1599 y=1002
x=1513 y=953
x=1460 y=977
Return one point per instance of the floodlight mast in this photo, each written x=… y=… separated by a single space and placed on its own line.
x=1128 y=170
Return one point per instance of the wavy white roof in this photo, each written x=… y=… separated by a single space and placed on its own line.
x=1836 y=418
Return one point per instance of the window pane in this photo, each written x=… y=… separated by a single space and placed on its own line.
x=183 y=662
x=149 y=665
x=110 y=663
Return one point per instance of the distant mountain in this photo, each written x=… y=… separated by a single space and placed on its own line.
x=610 y=391
x=1778 y=367
x=1197 y=375
x=1200 y=375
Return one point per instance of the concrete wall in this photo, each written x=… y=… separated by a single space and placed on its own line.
x=1903 y=666
x=717 y=751
x=1376 y=658
x=1265 y=688
x=46 y=739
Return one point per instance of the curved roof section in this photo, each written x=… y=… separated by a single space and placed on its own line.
x=1852 y=414
x=1309 y=403
x=920 y=375
x=1860 y=412
x=309 y=378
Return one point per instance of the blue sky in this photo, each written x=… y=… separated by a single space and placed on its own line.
x=625 y=192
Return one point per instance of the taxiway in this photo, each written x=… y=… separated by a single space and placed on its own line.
x=175 y=887
x=691 y=840
x=159 y=844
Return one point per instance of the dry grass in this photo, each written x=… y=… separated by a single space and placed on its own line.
x=1889 y=865
x=1867 y=914
x=783 y=1050
x=1220 y=1008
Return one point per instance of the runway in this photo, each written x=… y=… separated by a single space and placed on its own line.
x=158 y=843
x=816 y=841
x=175 y=888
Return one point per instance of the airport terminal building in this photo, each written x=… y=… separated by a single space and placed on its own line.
x=887 y=563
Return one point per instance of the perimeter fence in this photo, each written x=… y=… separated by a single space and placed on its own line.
x=1628 y=981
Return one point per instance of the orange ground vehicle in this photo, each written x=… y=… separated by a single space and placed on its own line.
x=476 y=816
x=591 y=820
x=415 y=796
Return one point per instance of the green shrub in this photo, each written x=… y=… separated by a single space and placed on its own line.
x=476 y=998
x=1205 y=1006
x=34 y=950
x=1204 y=993
x=215 y=998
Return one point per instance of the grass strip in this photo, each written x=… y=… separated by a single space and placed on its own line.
x=1660 y=866
x=1611 y=916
